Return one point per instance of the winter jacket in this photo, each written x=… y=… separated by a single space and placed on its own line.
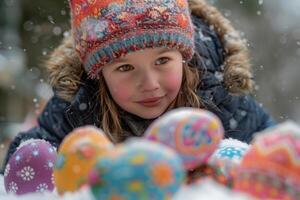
x=225 y=83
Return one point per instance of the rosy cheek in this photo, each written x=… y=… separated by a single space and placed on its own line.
x=173 y=81
x=120 y=93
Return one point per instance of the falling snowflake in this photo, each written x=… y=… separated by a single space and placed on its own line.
x=42 y=187
x=203 y=37
x=233 y=124
x=243 y=113
x=7 y=169
x=27 y=173
x=13 y=187
x=83 y=106
x=219 y=76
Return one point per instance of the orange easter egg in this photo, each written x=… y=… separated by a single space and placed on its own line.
x=77 y=155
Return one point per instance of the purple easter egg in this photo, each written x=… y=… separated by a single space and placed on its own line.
x=30 y=168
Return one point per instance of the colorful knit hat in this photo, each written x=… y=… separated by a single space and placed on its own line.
x=105 y=30
x=271 y=167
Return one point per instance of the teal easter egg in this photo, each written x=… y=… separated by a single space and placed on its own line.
x=138 y=169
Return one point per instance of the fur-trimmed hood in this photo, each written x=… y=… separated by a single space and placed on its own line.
x=65 y=69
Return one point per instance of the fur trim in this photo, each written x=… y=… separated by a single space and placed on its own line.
x=237 y=71
x=65 y=69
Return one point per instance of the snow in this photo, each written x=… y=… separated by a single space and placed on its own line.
x=209 y=190
x=81 y=195
x=57 y=30
x=206 y=189
x=83 y=106
x=233 y=124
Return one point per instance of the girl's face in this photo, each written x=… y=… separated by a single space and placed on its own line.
x=145 y=82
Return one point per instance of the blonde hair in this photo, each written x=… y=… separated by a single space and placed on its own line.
x=186 y=97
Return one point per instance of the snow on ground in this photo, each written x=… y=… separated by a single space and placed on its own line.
x=205 y=190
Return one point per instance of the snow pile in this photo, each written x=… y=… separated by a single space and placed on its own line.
x=83 y=194
x=207 y=189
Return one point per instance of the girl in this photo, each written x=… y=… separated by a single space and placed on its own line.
x=128 y=62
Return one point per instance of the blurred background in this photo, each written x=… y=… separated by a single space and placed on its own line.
x=30 y=30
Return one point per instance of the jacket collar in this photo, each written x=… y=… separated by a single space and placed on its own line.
x=84 y=108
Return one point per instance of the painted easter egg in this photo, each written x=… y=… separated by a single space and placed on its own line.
x=226 y=158
x=138 y=169
x=30 y=168
x=193 y=133
x=231 y=149
x=77 y=155
x=271 y=167
x=229 y=154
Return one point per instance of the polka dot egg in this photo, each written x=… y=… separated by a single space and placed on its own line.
x=30 y=168
x=230 y=149
x=227 y=157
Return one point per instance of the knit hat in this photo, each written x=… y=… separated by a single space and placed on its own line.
x=105 y=30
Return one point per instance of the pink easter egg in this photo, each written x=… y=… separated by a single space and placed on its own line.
x=193 y=133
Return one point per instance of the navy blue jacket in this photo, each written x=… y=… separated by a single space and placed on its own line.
x=241 y=115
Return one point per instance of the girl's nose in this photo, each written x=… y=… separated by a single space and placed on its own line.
x=149 y=82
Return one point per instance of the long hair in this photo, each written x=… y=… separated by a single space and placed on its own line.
x=186 y=97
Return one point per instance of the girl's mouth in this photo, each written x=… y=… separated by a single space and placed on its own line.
x=151 y=102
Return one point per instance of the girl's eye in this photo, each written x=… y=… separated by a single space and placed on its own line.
x=124 y=68
x=162 y=61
